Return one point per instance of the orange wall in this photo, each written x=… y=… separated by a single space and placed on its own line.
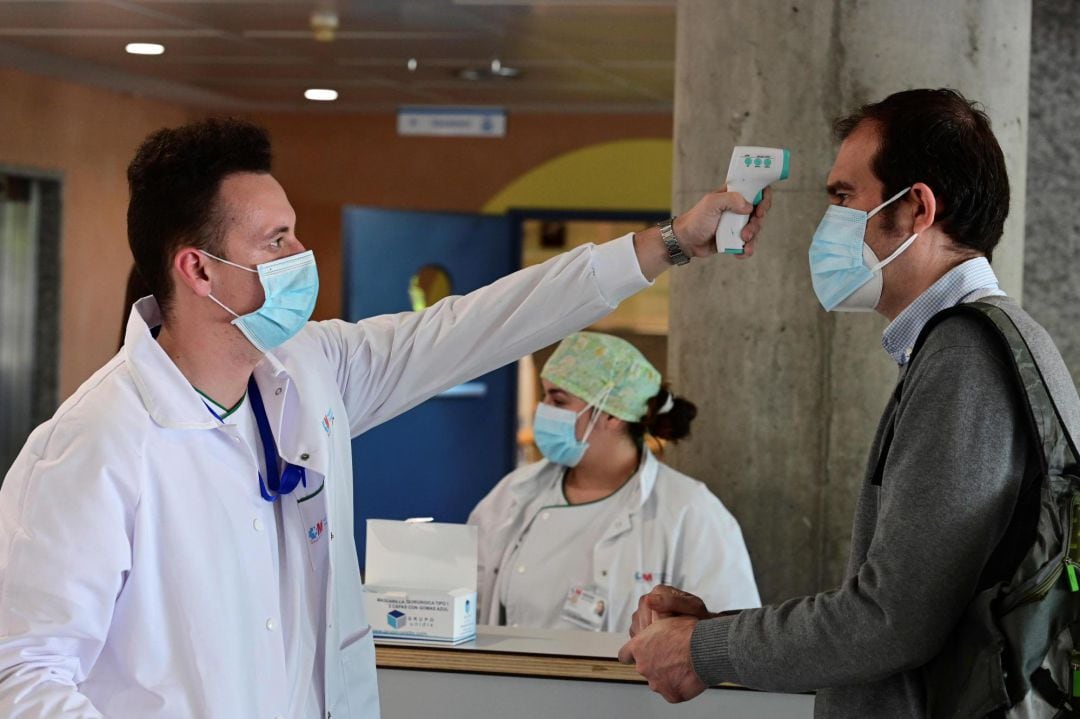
x=323 y=161
x=89 y=136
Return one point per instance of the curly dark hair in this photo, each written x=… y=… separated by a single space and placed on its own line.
x=940 y=138
x=174 y=181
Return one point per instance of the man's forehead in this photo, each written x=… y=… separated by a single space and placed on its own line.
x=257 y=198
x=853 y=166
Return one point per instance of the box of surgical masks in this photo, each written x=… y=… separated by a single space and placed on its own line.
x=421 y=581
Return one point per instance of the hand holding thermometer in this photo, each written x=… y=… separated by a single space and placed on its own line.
x=752 y=169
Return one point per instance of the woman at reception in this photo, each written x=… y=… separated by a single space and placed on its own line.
x=575 y=539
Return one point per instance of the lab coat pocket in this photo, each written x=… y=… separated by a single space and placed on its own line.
x=353 y=638
x=358 y=668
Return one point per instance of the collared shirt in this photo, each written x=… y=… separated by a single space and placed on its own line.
x=968 y=281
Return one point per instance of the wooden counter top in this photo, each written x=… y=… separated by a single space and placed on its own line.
x=517 y=651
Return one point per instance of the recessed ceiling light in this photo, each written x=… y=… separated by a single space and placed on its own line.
x=320 y=94
x=495 y=71
x=144 y=48
x=412 y=64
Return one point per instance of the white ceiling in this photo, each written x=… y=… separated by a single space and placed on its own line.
x=601 y=56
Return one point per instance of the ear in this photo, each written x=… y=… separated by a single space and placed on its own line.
x=190 y=268
x=925 y=207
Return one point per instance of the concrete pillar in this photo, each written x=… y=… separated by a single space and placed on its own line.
x=1052 y=253
x=789 y=395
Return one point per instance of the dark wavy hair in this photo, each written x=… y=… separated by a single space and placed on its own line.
x=940 y=138
x=174 y=181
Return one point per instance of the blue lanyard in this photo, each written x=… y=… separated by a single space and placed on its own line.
x=278 y=483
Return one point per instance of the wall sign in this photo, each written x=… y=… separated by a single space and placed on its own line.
x=452 y=121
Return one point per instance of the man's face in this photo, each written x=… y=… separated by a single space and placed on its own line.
x=852 y=183
x=259 y=226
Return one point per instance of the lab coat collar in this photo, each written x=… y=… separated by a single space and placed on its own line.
x=172 y=401
x=531 y=483
x=168 y=396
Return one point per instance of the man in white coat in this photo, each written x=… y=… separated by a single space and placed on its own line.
x=177 y=540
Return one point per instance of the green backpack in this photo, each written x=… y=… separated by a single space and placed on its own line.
x=1013 y=652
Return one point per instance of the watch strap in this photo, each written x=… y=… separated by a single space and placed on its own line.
x=675 y=253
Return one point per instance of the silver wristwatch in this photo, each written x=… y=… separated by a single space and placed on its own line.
x=675 y=253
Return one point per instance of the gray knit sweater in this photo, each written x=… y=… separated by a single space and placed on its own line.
x=919 y=543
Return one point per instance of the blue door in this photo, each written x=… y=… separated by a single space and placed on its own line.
x=441 y=457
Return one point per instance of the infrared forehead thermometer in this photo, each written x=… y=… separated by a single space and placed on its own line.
x=752 y=169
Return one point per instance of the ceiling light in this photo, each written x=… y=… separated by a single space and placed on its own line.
x=412 y=64
x=324 y=24
x=320 y=94
x=496 y=70
x=144 y=48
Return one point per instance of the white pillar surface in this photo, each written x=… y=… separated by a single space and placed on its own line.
x=788 y=395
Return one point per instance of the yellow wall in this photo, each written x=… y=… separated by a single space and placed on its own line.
x=622 y=175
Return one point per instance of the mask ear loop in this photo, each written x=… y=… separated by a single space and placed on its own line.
x=598 y=409
x=906 y=244
x=219 y=259
x=218 y=303
x=887 y=202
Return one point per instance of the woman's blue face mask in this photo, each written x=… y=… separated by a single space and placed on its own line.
x=555 y=432
x=291 y=286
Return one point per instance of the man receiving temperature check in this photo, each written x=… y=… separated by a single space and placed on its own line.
x=177 y=540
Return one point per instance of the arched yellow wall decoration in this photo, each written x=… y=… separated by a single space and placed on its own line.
x=619 y=175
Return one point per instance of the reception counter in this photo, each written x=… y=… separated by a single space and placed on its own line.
x=538 y=674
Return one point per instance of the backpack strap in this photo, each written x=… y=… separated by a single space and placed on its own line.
x=1044 y=420
x=1044 y=413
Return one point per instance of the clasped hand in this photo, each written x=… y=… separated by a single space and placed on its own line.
x=659 y=645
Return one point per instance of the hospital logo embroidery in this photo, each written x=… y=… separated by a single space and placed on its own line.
x=317 y=530
x=328 y=421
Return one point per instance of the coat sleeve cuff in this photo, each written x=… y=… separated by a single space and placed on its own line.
x=710 y=651
x=616 y=269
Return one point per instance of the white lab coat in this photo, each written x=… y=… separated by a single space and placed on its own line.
x=133 y=580
x=675 y=532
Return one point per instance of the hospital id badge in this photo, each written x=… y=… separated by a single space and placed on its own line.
x=585 y=607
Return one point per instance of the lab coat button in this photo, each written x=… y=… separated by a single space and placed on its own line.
x=603 y=572
x=269 y=625
x=521 y=569
x=257 y=524
x=277 y=391
x=305 y=456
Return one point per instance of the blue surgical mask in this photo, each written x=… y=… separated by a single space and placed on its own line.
x=555 y=433
x=291 y=285
x=845 y=272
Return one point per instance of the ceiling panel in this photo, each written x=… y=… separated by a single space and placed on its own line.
x=35 y=14
x=612 y=56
